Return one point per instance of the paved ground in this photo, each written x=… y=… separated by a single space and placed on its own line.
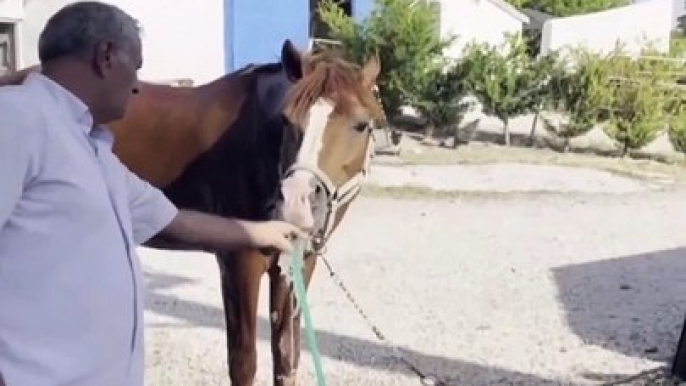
x=523 y=290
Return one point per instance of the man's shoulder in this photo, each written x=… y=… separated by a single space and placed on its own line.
x=17 y=98
x=20 y=106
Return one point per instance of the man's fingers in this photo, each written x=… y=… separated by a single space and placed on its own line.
x=293 y=231
x=285 y=245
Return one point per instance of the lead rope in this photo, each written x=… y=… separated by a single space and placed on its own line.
x=425 y=379
x=299 y=284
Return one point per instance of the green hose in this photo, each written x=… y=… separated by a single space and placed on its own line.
x=299 y=282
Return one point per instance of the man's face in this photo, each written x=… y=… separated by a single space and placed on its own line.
x=118 y=65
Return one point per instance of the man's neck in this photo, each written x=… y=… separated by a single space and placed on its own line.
x=70 y=75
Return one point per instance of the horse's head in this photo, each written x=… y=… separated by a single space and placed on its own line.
x=328 y=148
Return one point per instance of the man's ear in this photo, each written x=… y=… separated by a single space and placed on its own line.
x=102 y=57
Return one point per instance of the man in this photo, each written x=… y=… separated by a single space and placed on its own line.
x=71 y=214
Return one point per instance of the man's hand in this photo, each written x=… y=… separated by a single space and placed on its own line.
x=273 y=234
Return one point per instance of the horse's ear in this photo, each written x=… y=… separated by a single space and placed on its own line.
x=291 y=58
x=371 y=70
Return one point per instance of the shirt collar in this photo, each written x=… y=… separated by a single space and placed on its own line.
x=73 y=106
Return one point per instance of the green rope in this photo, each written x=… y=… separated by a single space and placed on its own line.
x=299 y=282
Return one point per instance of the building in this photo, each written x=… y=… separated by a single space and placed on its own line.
x=634 y=27
x=182 y=39
x=485 y=21
x=678 y=10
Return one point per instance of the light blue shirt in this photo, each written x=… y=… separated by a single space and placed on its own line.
x=71 y=216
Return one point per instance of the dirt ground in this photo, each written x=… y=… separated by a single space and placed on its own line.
x=565 y=286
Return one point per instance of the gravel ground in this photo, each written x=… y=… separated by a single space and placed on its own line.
x=532 y=289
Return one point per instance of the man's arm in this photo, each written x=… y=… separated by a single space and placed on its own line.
x=198 y=230
x=158 y=223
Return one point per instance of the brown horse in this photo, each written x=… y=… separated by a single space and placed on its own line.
x=285 y=140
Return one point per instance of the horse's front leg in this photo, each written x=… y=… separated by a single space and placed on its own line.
x=285 y=324
x=240 y=280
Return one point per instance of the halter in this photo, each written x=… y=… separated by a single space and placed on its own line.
x=336 y=196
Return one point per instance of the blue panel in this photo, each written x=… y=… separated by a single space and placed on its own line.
x=228 y=36
x=362 y=9
x=259 y=27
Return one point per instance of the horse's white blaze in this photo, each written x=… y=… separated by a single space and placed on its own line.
x=314 y=133
x=297 y=188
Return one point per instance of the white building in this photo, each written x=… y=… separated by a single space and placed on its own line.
x=634 y=26
x=170 y=51
x=483 y=21
x=678 y=9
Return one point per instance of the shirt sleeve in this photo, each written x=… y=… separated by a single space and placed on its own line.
x=150 y=209
x=19 y=155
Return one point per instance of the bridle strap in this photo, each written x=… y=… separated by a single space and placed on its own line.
x=336 y=196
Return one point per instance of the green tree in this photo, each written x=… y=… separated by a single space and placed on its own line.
x=403 y=33
x=505 y=80
x=677 y=127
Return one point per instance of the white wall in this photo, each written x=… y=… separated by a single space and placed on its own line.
x=475 y=20
x=634 y=25
x=11 y=10
x=169 y=52
x=678 y=7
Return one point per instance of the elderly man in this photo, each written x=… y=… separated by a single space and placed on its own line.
x=71 y=214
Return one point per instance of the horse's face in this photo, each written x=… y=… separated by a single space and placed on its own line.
x=336 y=145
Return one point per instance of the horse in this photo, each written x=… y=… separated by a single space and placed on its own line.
x=289 y=140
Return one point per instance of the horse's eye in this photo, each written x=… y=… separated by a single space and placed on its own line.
x=361 y=127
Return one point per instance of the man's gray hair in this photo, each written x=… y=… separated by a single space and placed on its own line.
x=76 y=28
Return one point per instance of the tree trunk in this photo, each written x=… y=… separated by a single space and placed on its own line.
x=456 y=135
x=625 y=149
x=506 y=131
x=429 y=132
x=566 y=146
x=533 y=129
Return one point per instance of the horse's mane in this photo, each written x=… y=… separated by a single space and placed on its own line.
x=327 y=75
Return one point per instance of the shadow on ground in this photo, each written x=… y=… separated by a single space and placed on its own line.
x=337 y=347
x=633 y=305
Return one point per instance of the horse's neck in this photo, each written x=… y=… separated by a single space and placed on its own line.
x=177 y=125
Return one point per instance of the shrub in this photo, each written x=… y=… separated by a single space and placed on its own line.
x=639 y=105
x=441 y=99
x=579 y=90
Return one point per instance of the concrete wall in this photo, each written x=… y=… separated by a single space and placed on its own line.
x=475 y=20
x=194 y=48
x=634 y=25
